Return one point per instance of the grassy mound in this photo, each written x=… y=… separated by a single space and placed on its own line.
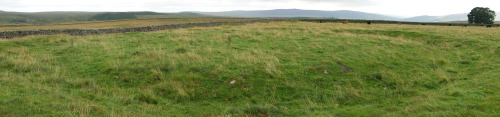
x=262 y=69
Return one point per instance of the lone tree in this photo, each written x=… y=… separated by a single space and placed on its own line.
x=481 y=15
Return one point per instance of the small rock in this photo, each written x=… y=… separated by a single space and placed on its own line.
x=326 y=72
x=233 y=81
x=345 y=68
x=385 y=88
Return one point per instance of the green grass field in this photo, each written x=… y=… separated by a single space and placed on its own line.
x=264 y=69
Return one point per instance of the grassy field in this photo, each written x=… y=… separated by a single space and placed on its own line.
x=263 y=69
x=119 y=23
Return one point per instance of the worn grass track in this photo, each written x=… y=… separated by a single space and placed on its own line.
x=280 y=68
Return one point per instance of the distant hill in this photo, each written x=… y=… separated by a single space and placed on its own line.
x=452 y=17
x=120 y=15
x=426 y=18
x=302 y=13
x=174 y=15
x=144 y=15
x=58 y=17
x=44 y=17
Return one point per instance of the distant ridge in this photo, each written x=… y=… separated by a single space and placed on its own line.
x=342 y=14
x=451 y=17
x=75 y=16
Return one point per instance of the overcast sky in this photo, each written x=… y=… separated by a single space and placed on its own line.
x=402 y=8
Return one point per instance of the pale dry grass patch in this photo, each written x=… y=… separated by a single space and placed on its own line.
x=59 y=72
x=277 y=34
x=115 y=63
x=182 y=35
x=347 y=34
x=393 y=40
x=46 y=57
x=185 y=38
x=157 y=72
x=106 y=47
x=85 y=108
x=483 y=62
x=401 y=40
x=357 y=26
x=272 y=69
x=368 y=37
x=246 y=57
x=271 y=63
x=19 y=50
x=23 y=58
x=322 y=30
x=209 y=49
x=256 y=57
x=352 y=90
x=186 y=58
x=297 y=44
x=193 y=56
x=244 y=33
x=493 y=50
x=220 y=38
x=316 y=45
x=442 y=75
x=180 y=88
x=155 y=54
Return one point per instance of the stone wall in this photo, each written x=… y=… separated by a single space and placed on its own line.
x=83 y=32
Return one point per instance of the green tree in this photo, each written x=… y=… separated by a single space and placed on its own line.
x=481 y=15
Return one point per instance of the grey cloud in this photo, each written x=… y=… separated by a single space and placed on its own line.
x=9 y=4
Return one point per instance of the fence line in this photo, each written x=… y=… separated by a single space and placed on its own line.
x=391 y=22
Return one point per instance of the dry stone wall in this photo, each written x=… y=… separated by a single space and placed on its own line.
x=83 y=32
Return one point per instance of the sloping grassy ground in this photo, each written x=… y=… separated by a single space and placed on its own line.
x=280 y=69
